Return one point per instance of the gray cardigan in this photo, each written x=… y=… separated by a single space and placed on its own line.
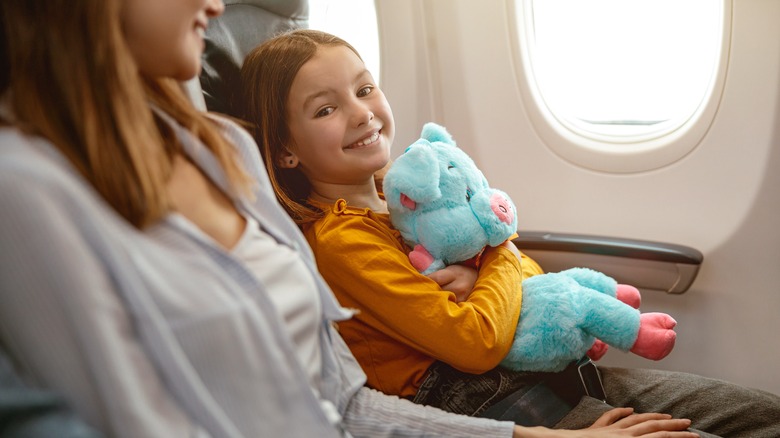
x=162 y=333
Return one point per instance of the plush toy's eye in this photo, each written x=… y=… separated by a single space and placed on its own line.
x=468 y=195
x=451 y=166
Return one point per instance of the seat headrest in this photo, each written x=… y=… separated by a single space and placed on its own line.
x=230 y=37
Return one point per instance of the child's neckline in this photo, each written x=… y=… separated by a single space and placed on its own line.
x=320 y=201
x=342 y=204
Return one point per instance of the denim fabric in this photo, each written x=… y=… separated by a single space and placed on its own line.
x=500 y=394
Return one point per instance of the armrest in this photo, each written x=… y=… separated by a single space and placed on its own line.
x=643 y=264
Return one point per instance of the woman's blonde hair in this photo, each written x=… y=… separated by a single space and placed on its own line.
x=266 y=79
x=72 y=80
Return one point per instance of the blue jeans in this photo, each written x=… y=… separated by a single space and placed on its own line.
x=501 y=394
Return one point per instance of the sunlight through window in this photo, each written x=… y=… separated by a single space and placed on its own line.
x=624 y=68
x=352 y=20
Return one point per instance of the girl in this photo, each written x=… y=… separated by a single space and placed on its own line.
x=147 y=273
x=324 y=130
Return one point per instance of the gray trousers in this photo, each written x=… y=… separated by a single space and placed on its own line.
x=716 y=408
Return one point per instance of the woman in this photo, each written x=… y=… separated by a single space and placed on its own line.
x=148 y=274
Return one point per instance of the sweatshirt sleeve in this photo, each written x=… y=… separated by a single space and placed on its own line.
x=367 y=268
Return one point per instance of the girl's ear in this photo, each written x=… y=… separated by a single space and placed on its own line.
x=287 y=159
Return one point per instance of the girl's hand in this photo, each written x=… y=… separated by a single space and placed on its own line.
x=460 y=280
x=618 y=422
x=457 y=279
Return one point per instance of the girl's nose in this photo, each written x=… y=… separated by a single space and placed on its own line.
x=214 y=8
x=363 y=116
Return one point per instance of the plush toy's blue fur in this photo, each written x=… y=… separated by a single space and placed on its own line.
x=562 y=313
x=440 y=177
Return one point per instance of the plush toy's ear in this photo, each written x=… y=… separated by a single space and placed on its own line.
x=434 y=132
x=413 y=177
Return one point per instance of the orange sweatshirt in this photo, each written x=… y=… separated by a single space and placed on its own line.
x=405 y=320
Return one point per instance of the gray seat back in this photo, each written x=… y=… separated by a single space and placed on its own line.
x=230 y=37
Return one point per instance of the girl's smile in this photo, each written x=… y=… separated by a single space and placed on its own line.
x=368 y=141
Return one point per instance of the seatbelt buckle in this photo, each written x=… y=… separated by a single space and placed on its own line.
x=591 y=379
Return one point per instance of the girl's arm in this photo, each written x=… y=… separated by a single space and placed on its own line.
x=460 y=279
x=368 y=269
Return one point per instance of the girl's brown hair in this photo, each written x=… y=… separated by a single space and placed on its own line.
x=266 y=79
x=72 y=80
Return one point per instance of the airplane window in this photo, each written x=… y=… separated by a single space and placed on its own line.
x=354 y=21
x=622 y=73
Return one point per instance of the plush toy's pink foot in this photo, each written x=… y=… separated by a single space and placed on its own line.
x=656 y=337
x=420 y=258
x=598 y=350
x=629 y=295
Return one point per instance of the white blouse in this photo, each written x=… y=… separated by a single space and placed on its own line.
x=292 y=290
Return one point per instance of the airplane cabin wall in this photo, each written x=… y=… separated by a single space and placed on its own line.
x=453 y=62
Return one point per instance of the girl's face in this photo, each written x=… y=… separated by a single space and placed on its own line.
x=165 y=37
x=341 y=126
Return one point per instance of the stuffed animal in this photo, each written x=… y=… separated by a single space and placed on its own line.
x=447 y=212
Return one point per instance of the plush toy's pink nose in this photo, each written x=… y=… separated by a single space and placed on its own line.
x=502 y=209
x=408 y=202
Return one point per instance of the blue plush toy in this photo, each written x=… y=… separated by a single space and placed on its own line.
x=446 y=210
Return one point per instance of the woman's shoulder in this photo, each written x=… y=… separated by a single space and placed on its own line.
x=237 y=133
x=231 y=127
x=30 y=160
x=36 y=177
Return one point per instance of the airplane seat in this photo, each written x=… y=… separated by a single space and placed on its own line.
x=230 y=37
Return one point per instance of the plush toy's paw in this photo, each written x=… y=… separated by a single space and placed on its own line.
x=629 y=295
x=420 y=258
x=598 y=350
x=656 y=337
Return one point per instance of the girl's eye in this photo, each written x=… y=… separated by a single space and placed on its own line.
x=365 y=91
x=324 y=112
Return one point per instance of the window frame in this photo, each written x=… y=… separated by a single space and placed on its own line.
x=608 y=153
